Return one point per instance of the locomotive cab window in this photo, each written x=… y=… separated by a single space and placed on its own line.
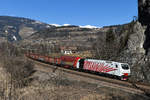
x=125 y=66
x=116 y=66
x=81 y=63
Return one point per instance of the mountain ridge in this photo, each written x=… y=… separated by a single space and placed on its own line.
x=18 y=28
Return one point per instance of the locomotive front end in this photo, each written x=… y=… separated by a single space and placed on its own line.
x=125 y=71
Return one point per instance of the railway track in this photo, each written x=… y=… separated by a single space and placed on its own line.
x=139 y=89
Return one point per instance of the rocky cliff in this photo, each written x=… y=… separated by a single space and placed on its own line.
x=134 y=52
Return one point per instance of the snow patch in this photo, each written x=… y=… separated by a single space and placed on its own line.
x=88 y=26
x=57 y=25
x=38 y=22
x=66 y=24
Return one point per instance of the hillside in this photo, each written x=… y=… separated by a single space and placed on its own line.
x=66 y=35
x=122 y=43
x=82 y=38
x=17 y=28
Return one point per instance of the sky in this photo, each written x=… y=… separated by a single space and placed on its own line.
x=75 y=12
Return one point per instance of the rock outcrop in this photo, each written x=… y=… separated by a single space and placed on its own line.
x=126 y=45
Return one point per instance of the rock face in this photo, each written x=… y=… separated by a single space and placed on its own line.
x=136 y=39
x=134 y=48
x=135 y=53
x=144 y=11
x=130 y=39
x=139 y=43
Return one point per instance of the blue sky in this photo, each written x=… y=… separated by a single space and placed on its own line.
x=76 y=12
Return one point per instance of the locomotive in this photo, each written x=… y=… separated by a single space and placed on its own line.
x=111 y=68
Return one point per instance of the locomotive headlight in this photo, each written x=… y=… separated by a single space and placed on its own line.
x=126 y=74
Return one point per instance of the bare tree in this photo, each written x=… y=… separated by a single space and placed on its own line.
x=106 y=47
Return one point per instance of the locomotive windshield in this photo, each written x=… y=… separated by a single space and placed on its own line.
x=125 y=66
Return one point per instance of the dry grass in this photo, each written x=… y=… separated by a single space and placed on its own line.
x=58 y=87
x=15 y=84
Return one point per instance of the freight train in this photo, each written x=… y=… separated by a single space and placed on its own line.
x=111 y=68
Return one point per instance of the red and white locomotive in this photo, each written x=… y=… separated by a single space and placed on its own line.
x=120 y=70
